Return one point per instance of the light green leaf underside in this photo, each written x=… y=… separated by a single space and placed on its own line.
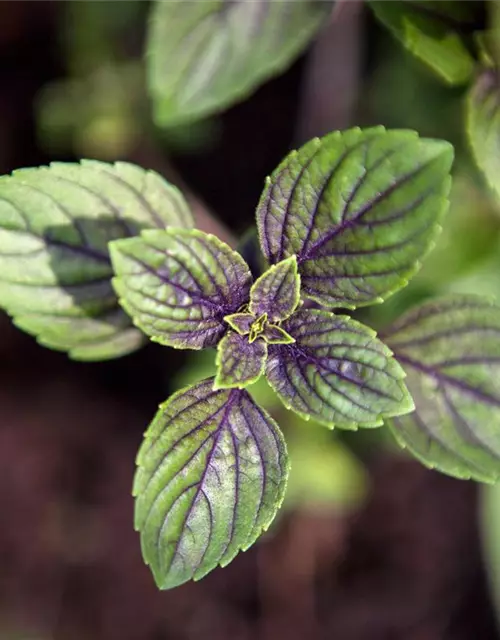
x=55 y=270
x=430 y=31
x=178 y=285
x=239 y=363
x=204 y=56
x=483 y=125
x=211 y=475
x=450 y=349
x=359 y=209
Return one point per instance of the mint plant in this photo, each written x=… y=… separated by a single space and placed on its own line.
x=93 y=257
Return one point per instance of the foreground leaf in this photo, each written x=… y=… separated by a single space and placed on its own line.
x=211 y=475
x=337 y=372
x=359 y=208
x=431 y=31
x=55 y=270
x=179 y=284
x=203 y=56
x=450 y=349
x=277 y=291
x=239 y=362
x=483 y=125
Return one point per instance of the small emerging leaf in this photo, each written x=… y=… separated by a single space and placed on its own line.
x=337 y=372
x=432 y=32
x=212 y=473
x=273 y=334
x=483 y=125
x=277 y=291
x=239 y=362
x=203 y=56
x=450 y=349
x=359 y=209
x=179 y=284
x=55 y=269
x=240 y=322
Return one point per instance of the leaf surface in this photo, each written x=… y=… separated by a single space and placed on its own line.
x=450 y=349
x=204 y=56
x=239 y=362
x=55 y=270
x=277 y=291
x=211 y=475
x=359 y=209
x=337 y=372
x=433 y=32
x=178 y=285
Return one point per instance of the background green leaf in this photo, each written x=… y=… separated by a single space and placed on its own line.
x=179 y=284
x=203 y=56
x=483 y=125
x=55 y=270
x=211 y=475
x=359 y=208
x=432 y=31
x=450 y=349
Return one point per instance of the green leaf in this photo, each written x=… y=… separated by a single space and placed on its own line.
x=204 y=56
x=337 y=372
x=55 y=270
x=432 y=32
x=277 y=291
x=359 y=209
x=483 y=125
x=450 y=349
x=179 y=284
x=239 y=362
x=211 y=475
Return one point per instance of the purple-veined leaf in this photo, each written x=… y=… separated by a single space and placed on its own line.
x=359 y=209
x=179 y=284
x=240 y=322
x=483 y=125
x=55 y=269
x=277 y=291
x=239 y=362
x=450 y=349
x=204 y=56
x=212 y=473
x=433 y=32
x=337 y=372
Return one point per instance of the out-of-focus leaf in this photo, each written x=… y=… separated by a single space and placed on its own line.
x=337 y=372
x=55 y=270
x=211 y=475
x=204 y=56
x=179 y=284
x=483 y=125
x=359 y=208
x=431 y=31
x=450 y=349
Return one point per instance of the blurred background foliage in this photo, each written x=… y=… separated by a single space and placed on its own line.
x=370 y=545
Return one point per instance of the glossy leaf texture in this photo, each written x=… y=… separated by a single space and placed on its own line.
x=212 y=473
x=55 y=270
x=337 y=372
x=239 y=362
x=359 y=208
x=178 y=285
x=204 y=56
x=450 y=349
x=434 y=32
x=277 y=291
x=483 y=125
